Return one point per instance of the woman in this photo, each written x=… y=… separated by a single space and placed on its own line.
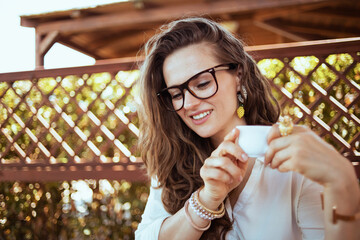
x=197 y=82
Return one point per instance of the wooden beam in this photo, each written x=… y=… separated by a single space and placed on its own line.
x=321 y=31
x=165 y=14
x=263 y=15
x=106 y=39
x=128 y=52
x=124 y=64
x=66 y=174
x=24 y=22
x=324 y=17
x=304 y=48
x=48 y=41
x=279 y=31
x=39 y=57
x=126 y=42
x=260 y=51
x=70 y=44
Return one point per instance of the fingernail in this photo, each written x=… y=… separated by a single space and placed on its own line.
x=244 y=157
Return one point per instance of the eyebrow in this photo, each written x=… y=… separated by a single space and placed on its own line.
x=197 y=74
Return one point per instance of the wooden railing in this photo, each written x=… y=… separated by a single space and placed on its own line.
x=81 y=122
x=318 y=83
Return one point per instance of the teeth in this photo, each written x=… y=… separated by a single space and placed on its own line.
x=201 y=115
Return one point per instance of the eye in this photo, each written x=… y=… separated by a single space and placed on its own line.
x=175 y=94
x=203 y=84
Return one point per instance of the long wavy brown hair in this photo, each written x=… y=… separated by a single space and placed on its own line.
x=171 y=151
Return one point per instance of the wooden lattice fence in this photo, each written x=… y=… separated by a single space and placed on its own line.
x=81 y=122
x=318 y=84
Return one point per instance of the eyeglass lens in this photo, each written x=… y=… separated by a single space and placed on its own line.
x=203 y=86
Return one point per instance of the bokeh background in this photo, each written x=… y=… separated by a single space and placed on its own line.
x=69 y=167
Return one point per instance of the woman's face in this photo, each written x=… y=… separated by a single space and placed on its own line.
x=213 y=117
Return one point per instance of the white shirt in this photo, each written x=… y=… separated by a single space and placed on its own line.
x=272 y=205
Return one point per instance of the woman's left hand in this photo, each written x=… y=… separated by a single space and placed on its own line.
x=305 y=152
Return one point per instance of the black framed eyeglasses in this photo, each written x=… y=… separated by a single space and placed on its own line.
x=203 y=85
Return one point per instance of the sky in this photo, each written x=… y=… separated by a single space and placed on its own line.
x=17 y=44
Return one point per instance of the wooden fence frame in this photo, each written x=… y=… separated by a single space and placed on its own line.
x=133 y=170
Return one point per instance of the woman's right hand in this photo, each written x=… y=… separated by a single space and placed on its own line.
x=222 y=171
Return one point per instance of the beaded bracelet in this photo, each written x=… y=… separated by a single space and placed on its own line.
x=337 y=216
x=191 y=221
x=202 y=211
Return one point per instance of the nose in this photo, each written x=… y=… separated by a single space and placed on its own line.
x=190 y=101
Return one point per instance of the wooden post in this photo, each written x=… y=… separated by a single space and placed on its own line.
x=39 y=57
x=43 y=45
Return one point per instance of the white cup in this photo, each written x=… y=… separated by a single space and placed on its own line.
x=253 y=139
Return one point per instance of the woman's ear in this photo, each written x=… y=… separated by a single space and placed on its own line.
x=238 y=79
x=238 y=71
x=238 y=84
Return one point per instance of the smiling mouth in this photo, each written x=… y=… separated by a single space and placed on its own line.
x=201 y=115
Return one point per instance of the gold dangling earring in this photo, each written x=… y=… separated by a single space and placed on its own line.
x=240 y=111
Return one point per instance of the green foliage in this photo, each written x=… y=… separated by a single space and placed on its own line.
x=71 y=210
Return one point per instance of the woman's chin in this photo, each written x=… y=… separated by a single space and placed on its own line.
x=204 y=134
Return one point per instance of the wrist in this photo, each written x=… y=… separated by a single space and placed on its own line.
x=342 y=177
x=209 y=201
x=335 y=216
x=344 y=195
x=345 y=182
x=202 y=211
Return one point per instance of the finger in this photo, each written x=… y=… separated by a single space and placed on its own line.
x=285 y=166
x=231 y=137
x=230 y=150
x=275 y=146
x=274 y=133
x=216 y=174
x=277 y=142
x=226 y=165
x=242 y=166
x=297 y=165
x=280 y=157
